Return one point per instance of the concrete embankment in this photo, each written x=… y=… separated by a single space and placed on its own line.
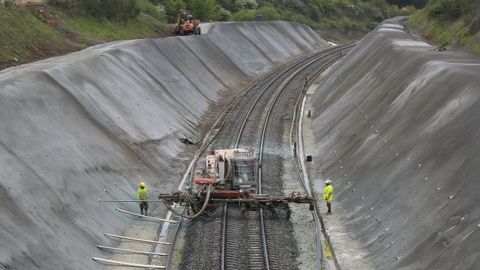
x=396 y=127
x=94 y=123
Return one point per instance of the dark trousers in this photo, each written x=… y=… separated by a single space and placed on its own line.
x=329 y=207
x=144 y=205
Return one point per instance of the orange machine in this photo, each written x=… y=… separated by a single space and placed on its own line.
x=230 y=176
x=185 y=25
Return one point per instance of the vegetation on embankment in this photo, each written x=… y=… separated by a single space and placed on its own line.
x=450 y=23
x=344 y=19
x=33 y=32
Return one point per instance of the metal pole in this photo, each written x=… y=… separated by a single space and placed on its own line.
x=135 y=239
x=137 y=201
x=122 y=250
x=119 y=263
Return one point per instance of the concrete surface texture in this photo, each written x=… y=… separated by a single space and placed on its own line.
x=95 y=123
x=396 y=127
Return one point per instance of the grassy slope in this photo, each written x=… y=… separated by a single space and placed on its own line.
x=461 y=31
x=23 y=36
x=35 y=32
x=143 y=26
x=343 y=20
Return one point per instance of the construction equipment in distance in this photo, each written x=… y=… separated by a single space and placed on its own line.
x=186 y=25
x=230 y=176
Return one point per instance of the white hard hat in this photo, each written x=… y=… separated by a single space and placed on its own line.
x=328 y=182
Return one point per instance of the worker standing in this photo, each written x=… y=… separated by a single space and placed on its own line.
x=142 y=196
x=328 y=195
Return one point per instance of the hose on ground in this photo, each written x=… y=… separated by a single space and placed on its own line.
x=191 y=201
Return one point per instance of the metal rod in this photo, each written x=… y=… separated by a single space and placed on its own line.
x=122 y=250
x=127 y=264
x=145 y=217
x=100 y=200
x=135 y=239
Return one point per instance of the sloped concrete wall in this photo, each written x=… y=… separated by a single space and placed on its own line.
x=397 y=128
x=94 y=123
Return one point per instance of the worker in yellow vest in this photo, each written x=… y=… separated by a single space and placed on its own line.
x=142 y=196
x=328 y=195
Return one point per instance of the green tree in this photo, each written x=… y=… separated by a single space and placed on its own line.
x=222 y=14
x=449 y=10
x=246 y=4
x=227 y=4
x=172 y=7
x=110 y=9
x=203 y=9
x=403 y=3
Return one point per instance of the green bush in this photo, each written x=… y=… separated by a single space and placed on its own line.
x=205 y=10
x=448 y=22
x=243 y=15
x=449 y=10
x=109 y=9
x=149 y=8
x=245 y=4
x=268 y=12
x=222 y=14
x=172 y=7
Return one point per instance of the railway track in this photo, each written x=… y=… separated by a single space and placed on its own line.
x=238 y=240
x=245 y=236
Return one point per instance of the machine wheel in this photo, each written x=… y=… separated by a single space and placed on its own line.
x=181 y=32
x=199 y=32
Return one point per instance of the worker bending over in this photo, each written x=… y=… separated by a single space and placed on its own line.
x=142 y=195
x=328 y=195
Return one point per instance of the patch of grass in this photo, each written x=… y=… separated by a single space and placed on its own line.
x=33 y=32
x=145 y=6
x=268 y=12
x=445 y=35
x=101 y=29
x=472 y=42
x=446 y=25
x=23 y=35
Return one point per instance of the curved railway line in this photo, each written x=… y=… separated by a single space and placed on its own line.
x=238 y=236
x=247 y=240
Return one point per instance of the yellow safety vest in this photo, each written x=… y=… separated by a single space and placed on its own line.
x=328 y=193
x=142 y=194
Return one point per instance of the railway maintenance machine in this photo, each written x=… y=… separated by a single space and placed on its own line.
x=229 y=176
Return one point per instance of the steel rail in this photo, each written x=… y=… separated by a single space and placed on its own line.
x=315 y=58
x=237 y=141
x=225 y=115
x=264 y=130
x=172 y=246
x=299 y=166
x=269 y=84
